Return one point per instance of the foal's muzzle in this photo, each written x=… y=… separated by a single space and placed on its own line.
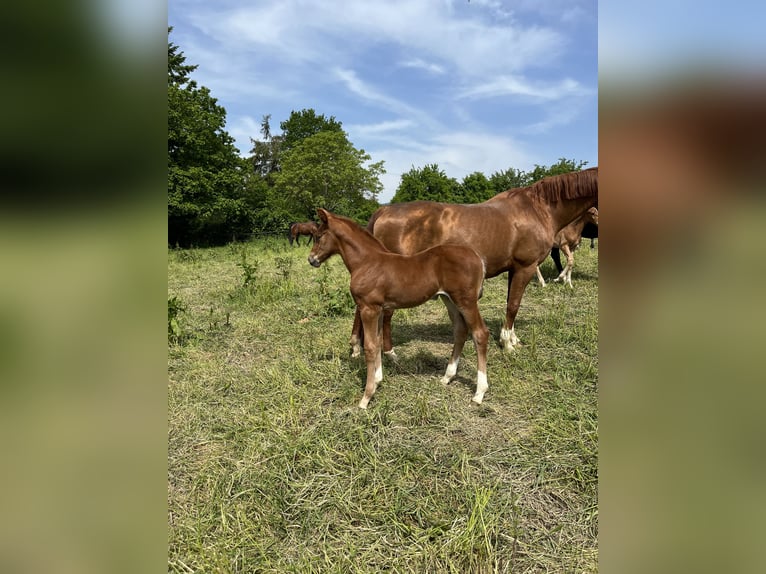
x=314 y=261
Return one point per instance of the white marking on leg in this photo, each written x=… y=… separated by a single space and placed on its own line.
x=379 y=373
x=509 y=338
x=481 y=387
x=451 y=371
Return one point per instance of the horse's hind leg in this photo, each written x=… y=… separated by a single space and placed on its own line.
x=460 y=334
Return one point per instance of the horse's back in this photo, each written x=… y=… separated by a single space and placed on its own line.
x=409 y=228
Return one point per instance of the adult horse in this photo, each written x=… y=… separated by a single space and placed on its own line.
x=513 y=231
x=297 y=229
x=383 y=280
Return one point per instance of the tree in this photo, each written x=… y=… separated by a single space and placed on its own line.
x=266 y=153
x=475 y=188
x=560 y=167
x=508 y=179
x=208 y=199
x=325 y=170
x=304 y=124
x=428 y=183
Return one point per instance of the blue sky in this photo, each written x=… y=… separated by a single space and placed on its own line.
x=471 y=86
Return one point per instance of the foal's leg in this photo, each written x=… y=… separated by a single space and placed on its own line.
x=507 y=333
x=480 y=335
x=517 y=283
x=388 y=346
x=459 y=335
x=570 y=266
x=357 y=335
x=371 y=322
x=566 y=273
x=540 y=277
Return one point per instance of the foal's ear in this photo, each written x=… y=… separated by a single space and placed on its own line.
x=322 y=213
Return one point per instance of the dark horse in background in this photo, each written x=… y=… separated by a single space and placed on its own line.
x=512 y=232
x=297 y=229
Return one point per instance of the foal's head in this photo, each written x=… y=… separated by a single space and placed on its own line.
x=591 y=216
x=326 y=244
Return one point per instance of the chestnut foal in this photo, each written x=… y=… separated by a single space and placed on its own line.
x=382 y=280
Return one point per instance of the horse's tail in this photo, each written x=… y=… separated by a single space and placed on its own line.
x=290 y=233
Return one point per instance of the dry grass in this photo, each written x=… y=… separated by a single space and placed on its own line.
x=272 y=468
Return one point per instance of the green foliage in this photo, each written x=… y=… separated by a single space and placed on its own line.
x=175 y=308
x=431 y=183
x=304 y=124
x=475 y=188
x=560 y=167
x=325 y=170
x=335 y=301
x=508 y=179
x=209 y=201
x=428 y=183
x=249 y=270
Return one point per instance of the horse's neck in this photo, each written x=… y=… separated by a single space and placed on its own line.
x=567 y=210
x=356 y=247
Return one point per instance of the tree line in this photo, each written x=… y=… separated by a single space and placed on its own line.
x=216 y=196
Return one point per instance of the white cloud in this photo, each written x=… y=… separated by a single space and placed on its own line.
x=517 y=86
x=423 y=65
x=458 y=153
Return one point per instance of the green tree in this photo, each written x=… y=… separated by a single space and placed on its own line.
x=325 y=170
x=475 y=188
x=560 y=167
x=265 y=155
x=508 y=179
x=428 y=183
x=208 y=199
x=306 y=123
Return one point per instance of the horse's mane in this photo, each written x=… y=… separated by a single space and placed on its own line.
x=568 y=185
x=565 y=186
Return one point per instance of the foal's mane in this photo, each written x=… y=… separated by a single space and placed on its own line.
x=565 y=186
x=355 y=229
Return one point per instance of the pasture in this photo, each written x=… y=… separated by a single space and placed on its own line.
x=273 y=468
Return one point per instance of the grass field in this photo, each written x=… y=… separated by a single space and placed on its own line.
x=273 y=468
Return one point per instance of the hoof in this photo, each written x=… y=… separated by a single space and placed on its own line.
x=391 y=354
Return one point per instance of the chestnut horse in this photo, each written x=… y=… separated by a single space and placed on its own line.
x=568 y=239
x=512 y=231
x=297 y=229
x=381 y=280
x=590 y=231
